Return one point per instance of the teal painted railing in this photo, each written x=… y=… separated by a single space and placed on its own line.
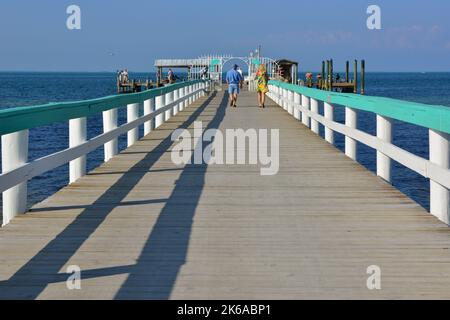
x=303 y=104
x=158 y=106
x=429 y=116
x=21 y=118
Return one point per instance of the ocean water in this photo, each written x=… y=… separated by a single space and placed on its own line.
x=24 y=89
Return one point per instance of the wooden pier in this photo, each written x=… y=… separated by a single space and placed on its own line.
x=140 y=227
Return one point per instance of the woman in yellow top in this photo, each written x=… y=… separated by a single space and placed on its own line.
x=262 y=80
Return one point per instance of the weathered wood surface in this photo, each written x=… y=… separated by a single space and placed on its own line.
x=141 y=227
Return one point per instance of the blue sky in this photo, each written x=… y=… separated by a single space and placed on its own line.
x=415 y=34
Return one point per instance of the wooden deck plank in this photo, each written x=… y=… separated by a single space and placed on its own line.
x=141 y=227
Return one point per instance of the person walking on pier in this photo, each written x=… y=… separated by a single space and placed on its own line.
x=234 y=81
x=262 y=80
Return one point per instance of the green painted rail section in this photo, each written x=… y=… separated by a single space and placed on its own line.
x=21 y=118
x=429 y=116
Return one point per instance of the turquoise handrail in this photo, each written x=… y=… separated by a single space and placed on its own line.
x=21 y=118
x=429 y=116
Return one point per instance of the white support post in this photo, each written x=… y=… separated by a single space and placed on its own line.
x=132 y=114
x=315 y=110
x=176 y=96
x=160 y=102
x=77 y=136
x=110 y=123
x=149 y=107
x=440 y=195
x=181 y=95
x=191 y=98
x=384 y=133
x=297 y=101
x=169 y=100
x=285 y=101
x=14 y=155
x=186 y=100
x=305 y=104
x=279 y=92
x=273 y=91
x=290 y=108
x=280 y=97
x=351 y=121
x=329 y=114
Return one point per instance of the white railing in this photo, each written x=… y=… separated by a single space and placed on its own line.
x=16 y=170
x=306 y=108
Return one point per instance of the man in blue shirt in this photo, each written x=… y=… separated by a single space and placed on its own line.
x=234 y=80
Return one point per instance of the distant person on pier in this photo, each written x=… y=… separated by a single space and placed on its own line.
x=242 y=75
x=234 y=81
x=170 y=76
x=262 y=80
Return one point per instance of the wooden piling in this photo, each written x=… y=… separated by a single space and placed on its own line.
x=347 y=67
x=331 y=74
x=321 y=84
x=363 y=76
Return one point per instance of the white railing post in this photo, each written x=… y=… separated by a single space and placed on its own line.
x=132 y=114
x=351 y=121
x=109 y=124
x=186 y=100
x=279 y=92
x=280 y=97
x=160 y=102
x=315 y=110
x=384 y=133
x=305 y=104
x=14 y=155
x=285 y=101
x=203 y=86
x=440 y=155
x=181 y=95
x=297 y=101
x=329 y=115
x=272 y=92
x=77 y=136
x=290 y=107
x=169 y=100
x=149 y=107
x=176 y=96
x=191 y=98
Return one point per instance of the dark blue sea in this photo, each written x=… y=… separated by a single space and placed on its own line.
x=24 y=89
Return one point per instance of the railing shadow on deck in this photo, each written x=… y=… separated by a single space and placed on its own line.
x=77 y=232
x=165 y=251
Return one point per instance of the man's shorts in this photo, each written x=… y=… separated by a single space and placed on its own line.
x=233 y=88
